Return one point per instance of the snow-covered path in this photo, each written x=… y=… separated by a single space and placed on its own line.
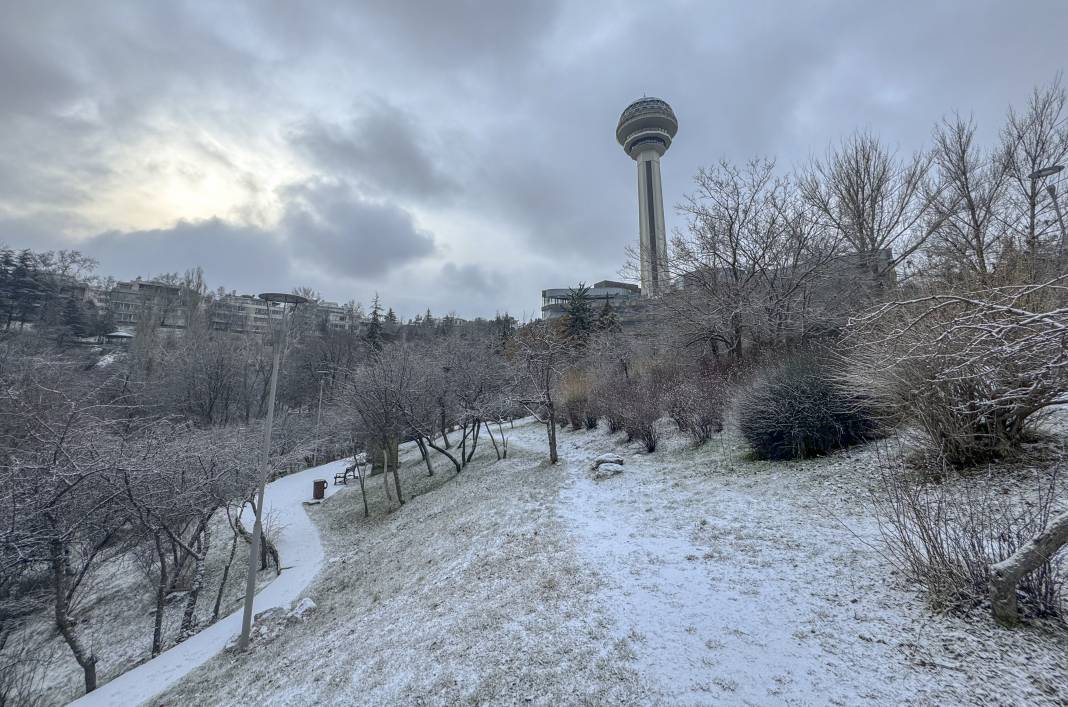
x=301 y=554
x=744 y=582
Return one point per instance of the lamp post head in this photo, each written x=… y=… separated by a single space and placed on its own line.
x=1046 y=172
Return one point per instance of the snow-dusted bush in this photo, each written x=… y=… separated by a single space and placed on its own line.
x=970 y=369
x=798 y=410
x=695 y=402
x=575 y=396
x=945 y=537
x=642 y=405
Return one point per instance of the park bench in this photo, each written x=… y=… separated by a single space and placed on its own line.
x=353 y=471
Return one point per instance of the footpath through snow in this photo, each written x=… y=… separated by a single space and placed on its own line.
x=740 y=582
x=301 y=554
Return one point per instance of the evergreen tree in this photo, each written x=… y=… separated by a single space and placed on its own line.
x=72 y=321
x=608 y=320
x=26 y=287
x=391 y=316
x=428 y=320
x=7 y=286
x=374 y=327
x=579 y=313
x=503 y=327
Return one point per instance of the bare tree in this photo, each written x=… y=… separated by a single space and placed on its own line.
x=875 y=201
x=540 y=356
x=1032 y=140
x=970 y=234
x=754 y=267
x=60 y=445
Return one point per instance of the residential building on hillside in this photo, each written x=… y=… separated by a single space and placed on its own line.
x=338 y=317
x=242 y=314
x=130 y=301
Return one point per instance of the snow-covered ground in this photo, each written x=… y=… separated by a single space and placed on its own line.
x=745 y=582
x=694 y=577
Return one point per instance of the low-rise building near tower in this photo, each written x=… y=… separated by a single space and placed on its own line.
x=616 y=294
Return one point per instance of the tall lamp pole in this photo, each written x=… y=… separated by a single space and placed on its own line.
x=318 y=420
x=1062 y=251
x=287 y=302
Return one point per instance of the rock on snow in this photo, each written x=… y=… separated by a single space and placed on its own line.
x=606 y=471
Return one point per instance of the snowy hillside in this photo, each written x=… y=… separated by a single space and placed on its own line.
x=692 y=577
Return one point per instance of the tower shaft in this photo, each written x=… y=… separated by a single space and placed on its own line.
x=645 y=131
x=653 y=239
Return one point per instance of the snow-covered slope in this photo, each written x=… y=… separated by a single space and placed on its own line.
x=692 y=577
x=302 y=558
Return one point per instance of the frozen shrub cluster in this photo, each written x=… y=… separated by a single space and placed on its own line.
x=972 y=370
x=945 y=537
x=575 y=395
x=631 y=401
x=695 y=401
x=799 y=411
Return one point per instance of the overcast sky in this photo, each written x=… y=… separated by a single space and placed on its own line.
x=456 y=155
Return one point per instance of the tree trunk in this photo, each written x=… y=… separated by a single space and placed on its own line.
x=463 y=446
x=451 y=458
x=1005 y=575
x=476 y=425
x=363 y=490
x=396 y=479
x=496 y=449
x=189 y=615
x=86 y=659
x=385 y=479
x=553 y=458
x=225 y=576
x=426 y=456
x=444 y=433
x=268 y=550
x=161 y=598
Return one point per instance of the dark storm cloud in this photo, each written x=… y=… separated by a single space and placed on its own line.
x=498 y=113
x=328 y=232
x=327 y=223
x=251 y=258
x=471 y=278
x=381 y=147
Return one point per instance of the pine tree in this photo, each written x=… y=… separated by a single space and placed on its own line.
x=26 y=287
x=428 y=320
x=503 y=327
x=579 y=313
x=608 y=320
x=7 y=286
x=374 y=327
x=391 y=316
x=73 y=318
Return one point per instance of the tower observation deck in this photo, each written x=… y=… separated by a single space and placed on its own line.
x=645 y=131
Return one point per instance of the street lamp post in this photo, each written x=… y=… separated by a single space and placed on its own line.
x=318 y=420
x=1052 y=190
x=287 y=302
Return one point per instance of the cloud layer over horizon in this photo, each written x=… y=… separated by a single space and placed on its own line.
x=456 y=156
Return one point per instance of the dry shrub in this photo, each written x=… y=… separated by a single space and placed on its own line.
x=575 y=395
x=643 y=407
x=695 y=400
x=946 y=538
x=971 y=370
x=798 y=410
x=631 y=402
x=607 y=397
